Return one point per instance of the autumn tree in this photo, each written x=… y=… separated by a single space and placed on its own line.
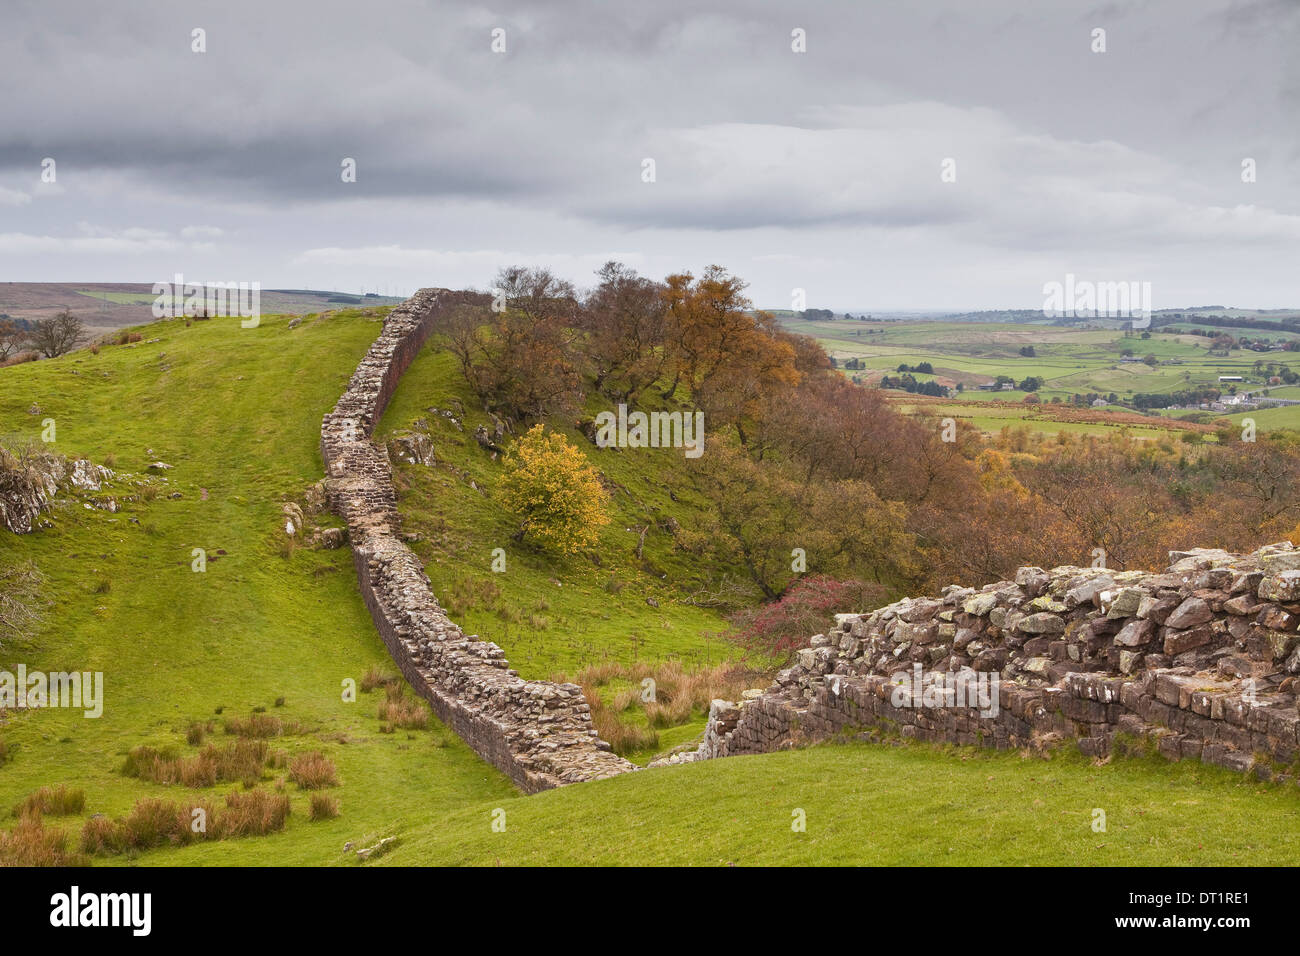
x=521 y=359
x=550 y=484
x=728 y=356
x=625 y=321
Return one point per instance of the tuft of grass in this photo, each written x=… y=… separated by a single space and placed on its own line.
x=376 y=677
x=60 y=801
x=404 y=713
x=624 y=738
x=154 y=822
x=670 y=714
x=255 y=813
x=312 y=771
x=680 y=695
x=29 y=843
x=102 y=837
x=322 y=807
x=197 y=732
x=240 y=761
x=256 y=725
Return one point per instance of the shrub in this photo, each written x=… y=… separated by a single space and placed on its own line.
x=550 y=484
x=53 y=801
x=782 y=627
x=323 y=807
x=311 y=771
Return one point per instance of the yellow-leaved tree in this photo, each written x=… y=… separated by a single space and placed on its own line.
x=551 y=485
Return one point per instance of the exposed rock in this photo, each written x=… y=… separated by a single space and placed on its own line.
x=30 y=482
x=414 y=449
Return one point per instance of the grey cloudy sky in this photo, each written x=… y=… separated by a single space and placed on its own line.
x=816 y=170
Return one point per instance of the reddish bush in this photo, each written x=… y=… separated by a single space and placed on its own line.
x=780 y=628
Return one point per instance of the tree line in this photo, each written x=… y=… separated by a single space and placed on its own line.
x=806 y=473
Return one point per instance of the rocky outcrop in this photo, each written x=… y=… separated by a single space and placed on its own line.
x=537 y=732
x=1198 y=662
x=30 y=482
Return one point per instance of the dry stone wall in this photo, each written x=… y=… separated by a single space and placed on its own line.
x=538 y=733
x=1198 y=662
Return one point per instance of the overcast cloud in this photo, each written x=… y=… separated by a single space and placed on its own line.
x=816 y=170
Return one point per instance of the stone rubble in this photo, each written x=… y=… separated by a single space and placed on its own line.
x=538 y=733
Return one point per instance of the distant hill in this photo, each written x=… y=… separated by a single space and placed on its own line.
x=108 y=305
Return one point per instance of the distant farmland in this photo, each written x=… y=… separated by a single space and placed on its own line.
x=1069 y=361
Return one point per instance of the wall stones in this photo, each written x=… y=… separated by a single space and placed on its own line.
x=1201 y=662
x=538 y=733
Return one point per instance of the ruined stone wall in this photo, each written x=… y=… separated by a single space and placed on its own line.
x=1198 y=662
x=538 y=733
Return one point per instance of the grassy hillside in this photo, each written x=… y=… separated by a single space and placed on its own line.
x=237 y=413
x=550 y=614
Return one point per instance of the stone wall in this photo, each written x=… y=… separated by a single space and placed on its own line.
x=538 y=733
x=1198 y=662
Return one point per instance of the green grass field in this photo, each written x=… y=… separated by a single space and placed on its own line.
x=873 y=804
